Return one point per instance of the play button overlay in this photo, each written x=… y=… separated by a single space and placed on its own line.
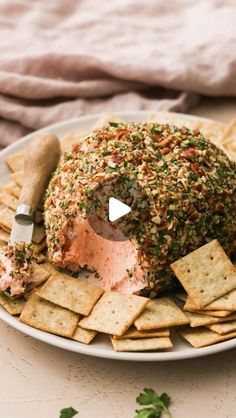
x=117 y=209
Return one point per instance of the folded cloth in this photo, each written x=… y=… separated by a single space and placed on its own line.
x=66 y=58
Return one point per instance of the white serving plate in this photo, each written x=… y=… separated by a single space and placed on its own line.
x=101 y=346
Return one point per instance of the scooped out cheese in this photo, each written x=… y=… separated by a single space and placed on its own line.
x=15 y=268
x=111 y=259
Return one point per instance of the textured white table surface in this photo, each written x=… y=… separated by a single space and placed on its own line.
x=38 y=380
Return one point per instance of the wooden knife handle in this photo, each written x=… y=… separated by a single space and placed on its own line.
x=41 y=159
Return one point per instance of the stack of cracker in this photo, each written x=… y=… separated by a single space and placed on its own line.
x=209 y=278
x=77 y=309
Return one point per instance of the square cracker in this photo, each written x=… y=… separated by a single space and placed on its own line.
x=40 y=275
x=68 y=141
x=199 y=337
x=114 y=313
x=2 y=245
x=49 y=267
x=13 y=189
x=18 y=177
x=16 y=161
x=38 y=248
x=174 y=119
x=226 y=302
x=7 y=199
x=212 y=130
x=160 y=313
x=151 y=333
x=6 y=218
x=38 y=234
x=228 y=140
x=84 y=336
x=193 y=308
x=202 y=337
x=12 y=306
x=31 y=291
x=41 y=258
x=38 y=218
x=44 y=315
x=4 y=236
x=223 y=327
x=198 y=320
x=206 y=273
x=104 y=119
x=217 y=314
x=144 y=344
x=68 y=292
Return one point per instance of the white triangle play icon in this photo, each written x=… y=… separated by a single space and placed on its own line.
x=117 y=209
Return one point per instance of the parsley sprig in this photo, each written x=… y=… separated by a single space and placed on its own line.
x=158 y=404
x=68 y=412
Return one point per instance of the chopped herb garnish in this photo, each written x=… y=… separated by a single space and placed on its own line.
x=6 y=293
x=137 y=137
x=156 y=129
x=158 y=251
x=162 y=238
x=64 y=204
x=158 y=404
x=68 y=412
x=188 y=143
x=202 y=143
x=86 y=167
x=171 y=188
x=67 y=156
x=192 y=176
x=105 y=152
x=88 y=191
x=175 y=250
x=176 y=162
x=222 y=172
x=111 y=170
x=81 y=204
x=114 y=124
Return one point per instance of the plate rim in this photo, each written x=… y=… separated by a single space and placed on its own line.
x=92 y=350
x=77 y=347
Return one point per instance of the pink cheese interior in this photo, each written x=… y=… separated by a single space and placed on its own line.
x=110 y=259
x=17 y=287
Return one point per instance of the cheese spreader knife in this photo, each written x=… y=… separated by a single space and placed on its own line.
x=40 y=161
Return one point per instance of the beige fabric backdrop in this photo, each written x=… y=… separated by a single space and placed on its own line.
x=64 y=58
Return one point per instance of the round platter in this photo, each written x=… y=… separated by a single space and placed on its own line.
x=101 y=346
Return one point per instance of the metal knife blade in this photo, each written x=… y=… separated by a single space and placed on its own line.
x=23 y=225
x=22 y=230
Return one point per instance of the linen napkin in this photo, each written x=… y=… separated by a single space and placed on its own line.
x=67 y=58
